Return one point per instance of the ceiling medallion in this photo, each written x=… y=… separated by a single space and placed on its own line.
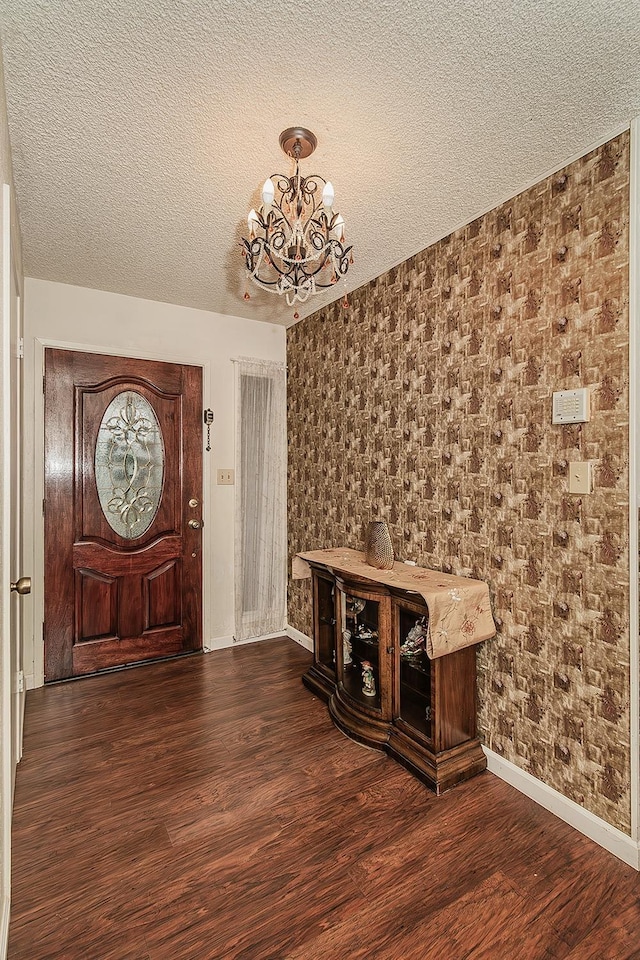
x=296 y=239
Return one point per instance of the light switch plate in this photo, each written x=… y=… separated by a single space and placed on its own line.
x=580 y=477
x=225 y=476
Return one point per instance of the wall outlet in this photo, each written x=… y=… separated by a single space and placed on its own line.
x=225 y=476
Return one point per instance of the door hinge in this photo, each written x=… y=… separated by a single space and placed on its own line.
x=20 y=353
x=20 y=681
x=43 y=506
x=43 y=382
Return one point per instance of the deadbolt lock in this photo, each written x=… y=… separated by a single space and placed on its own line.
x=193 y=502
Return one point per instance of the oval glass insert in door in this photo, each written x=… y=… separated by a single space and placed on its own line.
x=129 y=464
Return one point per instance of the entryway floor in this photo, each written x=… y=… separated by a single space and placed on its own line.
x=208 y=809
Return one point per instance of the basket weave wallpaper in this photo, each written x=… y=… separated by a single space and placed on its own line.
x=428 y=403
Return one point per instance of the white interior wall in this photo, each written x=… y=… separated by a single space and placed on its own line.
x=80 y=318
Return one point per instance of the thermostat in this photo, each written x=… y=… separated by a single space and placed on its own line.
x=571 y=406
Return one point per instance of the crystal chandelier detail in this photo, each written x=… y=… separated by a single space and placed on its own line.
x=296 y=244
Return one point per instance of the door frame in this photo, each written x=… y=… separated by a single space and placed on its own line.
x=37 y=538
x=11 y=704
x=20 y=607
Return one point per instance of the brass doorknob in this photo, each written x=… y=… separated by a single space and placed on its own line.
x=194 y=524
x=21 y=586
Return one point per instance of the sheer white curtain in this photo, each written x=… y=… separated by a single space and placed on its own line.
x=261 y=520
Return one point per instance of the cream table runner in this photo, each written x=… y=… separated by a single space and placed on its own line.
x=459 y=609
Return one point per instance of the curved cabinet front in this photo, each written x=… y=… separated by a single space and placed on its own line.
x=361 y=702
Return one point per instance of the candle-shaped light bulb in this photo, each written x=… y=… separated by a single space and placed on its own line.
x=268 y=192
x=328 y=194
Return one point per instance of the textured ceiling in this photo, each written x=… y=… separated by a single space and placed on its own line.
x=142 y=131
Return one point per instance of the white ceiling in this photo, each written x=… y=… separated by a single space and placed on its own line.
x=142 y=131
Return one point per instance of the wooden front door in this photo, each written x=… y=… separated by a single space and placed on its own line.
x=123 y=514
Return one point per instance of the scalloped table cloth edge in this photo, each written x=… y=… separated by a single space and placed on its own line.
x=459 y=607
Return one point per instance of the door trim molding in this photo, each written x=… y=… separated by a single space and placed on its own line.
x=4 y=925
x=6 y=743
x=37 y=561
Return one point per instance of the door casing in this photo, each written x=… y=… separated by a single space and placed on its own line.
x=11 y=636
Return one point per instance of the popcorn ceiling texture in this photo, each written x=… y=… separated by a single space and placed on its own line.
x=142 y=130
x=428 y=403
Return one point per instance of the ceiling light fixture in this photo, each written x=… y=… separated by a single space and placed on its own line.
x=296 y=239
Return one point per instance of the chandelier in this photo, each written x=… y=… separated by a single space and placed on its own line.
x=296 y=239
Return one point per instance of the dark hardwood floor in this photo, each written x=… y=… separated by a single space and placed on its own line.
x=208 y=809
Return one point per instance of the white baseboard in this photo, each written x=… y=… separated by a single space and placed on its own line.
x=602 y=833
x=29 y=681
x=222 y=643
x=218 y=643
x=4 y=927
x=300 y=638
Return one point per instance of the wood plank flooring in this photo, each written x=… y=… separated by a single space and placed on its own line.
x=208 y=809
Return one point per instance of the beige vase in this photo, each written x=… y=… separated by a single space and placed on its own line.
x=378 y=548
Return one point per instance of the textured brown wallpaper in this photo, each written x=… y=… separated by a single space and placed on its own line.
x=428 y=403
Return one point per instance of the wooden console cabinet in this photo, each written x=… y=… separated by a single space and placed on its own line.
x=422 y=711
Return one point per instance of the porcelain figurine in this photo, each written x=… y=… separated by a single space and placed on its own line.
x=416 y=639
x=368 y=681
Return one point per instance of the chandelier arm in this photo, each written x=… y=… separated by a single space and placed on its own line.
x=340 y=261
x=278 y=236
x=309 y=187
x=282 y=222
x=254 y=255
x=271 y=286
x=320 y=230
x=285 y=184
x=255 y=251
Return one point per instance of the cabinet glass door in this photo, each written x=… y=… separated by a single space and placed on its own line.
x=414 y=706
x=325 y=629
x=361 y=649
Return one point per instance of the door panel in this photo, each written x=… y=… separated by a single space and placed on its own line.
x=162 y=590
x=96 y=606
x=123 y=456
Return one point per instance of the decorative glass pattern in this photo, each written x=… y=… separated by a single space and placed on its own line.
x=129 y=464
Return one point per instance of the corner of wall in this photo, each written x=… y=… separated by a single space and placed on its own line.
x=619 y=844
x=634 y=470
